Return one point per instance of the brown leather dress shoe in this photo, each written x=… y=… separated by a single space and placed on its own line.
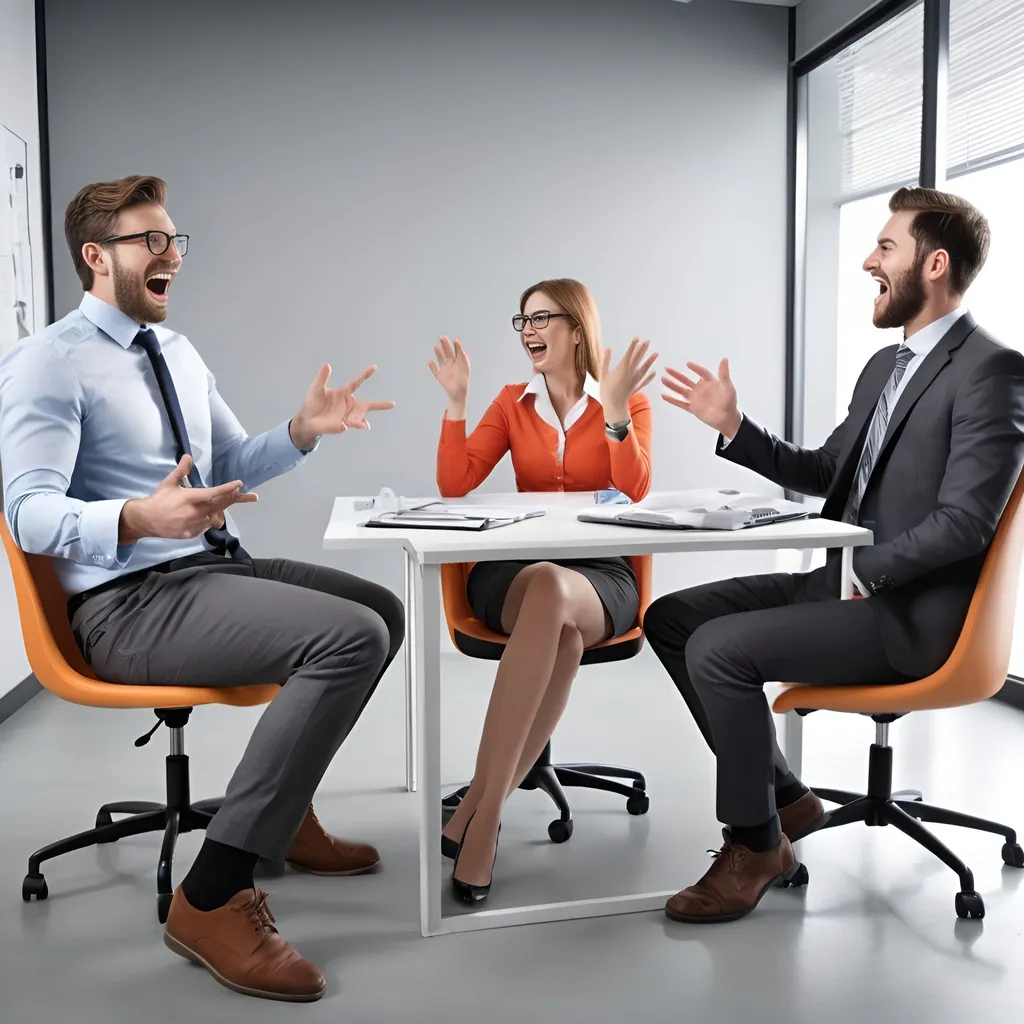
x=803 y=816
x=239 y=945
x=733 y=885
x=315 y=851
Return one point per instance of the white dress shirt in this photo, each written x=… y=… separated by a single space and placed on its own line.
x=542 y=405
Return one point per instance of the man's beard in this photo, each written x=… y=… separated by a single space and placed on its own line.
x=905 y=300
x=133 y=298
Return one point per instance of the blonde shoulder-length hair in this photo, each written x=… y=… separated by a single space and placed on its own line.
x=576 y=300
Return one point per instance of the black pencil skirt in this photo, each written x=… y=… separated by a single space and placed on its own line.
x=612 y=578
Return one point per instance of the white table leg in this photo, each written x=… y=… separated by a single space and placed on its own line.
x=427 y=647
x=411 y=724
x=793 y=743
x=793 y=739
x=846 y=575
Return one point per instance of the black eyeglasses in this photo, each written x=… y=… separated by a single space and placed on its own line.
x=158 y=242
x=539 y=320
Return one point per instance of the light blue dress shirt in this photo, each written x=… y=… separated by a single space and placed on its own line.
x=83 y=429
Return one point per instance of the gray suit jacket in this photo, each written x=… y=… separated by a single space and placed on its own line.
x=952 y=454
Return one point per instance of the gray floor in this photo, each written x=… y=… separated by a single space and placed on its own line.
x=874 y=935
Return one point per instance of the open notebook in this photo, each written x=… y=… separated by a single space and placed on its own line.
x=439 y=516
x=705 y=509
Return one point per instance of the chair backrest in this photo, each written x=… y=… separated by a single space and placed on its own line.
x=42 y=606
x=978 y=665
x=58 y=664
x=473 y=638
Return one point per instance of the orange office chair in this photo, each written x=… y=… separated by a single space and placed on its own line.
x=974 y=671
x=472 y=638
x=58 y=664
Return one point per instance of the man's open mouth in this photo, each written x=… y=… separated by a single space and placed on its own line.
x=158 y=284
x=883 y=287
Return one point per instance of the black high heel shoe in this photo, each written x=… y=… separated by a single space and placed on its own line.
x=450 y=848
x=463 y=891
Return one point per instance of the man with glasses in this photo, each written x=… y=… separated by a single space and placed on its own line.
x=120 y=461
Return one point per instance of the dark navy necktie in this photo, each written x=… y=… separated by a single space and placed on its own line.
x=222 y=540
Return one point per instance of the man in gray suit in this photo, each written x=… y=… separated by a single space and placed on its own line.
x=926 y=458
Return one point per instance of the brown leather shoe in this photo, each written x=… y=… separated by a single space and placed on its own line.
x=803 y=816
x=239 y=945
x=733 y=885
x=315 y=851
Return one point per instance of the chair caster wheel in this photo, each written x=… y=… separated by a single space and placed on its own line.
x=969 y=904
x=34 y=885
x=452 y=800
x=163 y=906
x=638 y=804
x=1013 y=855
x=797 y=880
x=559 y=831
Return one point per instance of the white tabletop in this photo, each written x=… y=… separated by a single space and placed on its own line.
x=560 y=532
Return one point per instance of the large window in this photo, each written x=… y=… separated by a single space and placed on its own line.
x=867 y=132
x=863 y=115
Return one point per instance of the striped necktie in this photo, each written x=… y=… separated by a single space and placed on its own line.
x=220 y=538
x=876 y=434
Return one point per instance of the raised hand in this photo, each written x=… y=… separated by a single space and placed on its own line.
x=618 y=385
x=176 y=511
x=327 y=410
x=451 y=369
x=712 y=399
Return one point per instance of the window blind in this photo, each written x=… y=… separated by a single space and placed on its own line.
x=986 y=83
x=880 y=81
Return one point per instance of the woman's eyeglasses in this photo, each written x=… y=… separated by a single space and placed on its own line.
x=539 y=320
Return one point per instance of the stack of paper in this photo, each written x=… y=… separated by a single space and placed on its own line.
x=699 y=510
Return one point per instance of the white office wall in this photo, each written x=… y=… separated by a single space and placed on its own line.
x=360 y=178
x=19 y=112
x=818 y=20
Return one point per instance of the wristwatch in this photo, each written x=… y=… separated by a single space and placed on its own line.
x=617 y=431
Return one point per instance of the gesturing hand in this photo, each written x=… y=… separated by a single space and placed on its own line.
x=452 y=371
x=711 y=399
x=178 y=512
x=630 y=375
x=332 y=410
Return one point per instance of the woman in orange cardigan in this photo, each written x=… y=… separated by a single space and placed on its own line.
x=566 y=432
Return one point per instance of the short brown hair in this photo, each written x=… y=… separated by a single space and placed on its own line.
x=945 y=221
x=576 y=300
x=93 y=213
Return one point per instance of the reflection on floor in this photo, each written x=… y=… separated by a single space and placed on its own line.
x=873 y=936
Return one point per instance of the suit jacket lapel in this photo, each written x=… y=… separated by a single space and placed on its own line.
x=925 y=374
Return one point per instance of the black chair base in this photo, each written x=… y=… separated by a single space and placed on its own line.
x=880 y=807
x=551 y=778
x=178 y=815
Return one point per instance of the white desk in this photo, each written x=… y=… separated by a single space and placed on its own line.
x=557 y=534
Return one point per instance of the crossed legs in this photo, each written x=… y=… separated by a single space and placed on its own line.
x=551 y=614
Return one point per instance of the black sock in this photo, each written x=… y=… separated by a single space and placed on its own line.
x=789 y=792
x=758 y=838
x=218 y=873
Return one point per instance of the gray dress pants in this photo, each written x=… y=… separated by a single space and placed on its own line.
x=326 y=635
